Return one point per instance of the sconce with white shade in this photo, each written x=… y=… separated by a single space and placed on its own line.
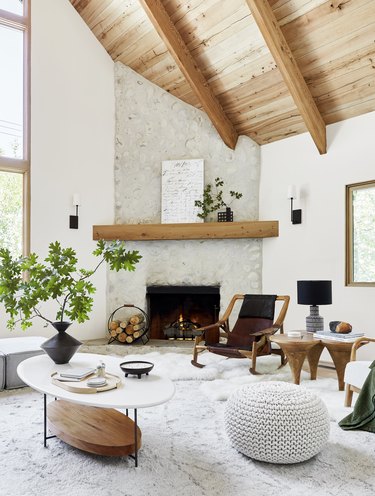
x=73 y=219
x=296 y=215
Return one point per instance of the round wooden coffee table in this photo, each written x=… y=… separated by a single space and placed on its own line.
x=92 y=422
x=310 y=346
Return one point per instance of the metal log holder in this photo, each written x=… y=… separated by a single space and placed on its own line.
x=144 y=336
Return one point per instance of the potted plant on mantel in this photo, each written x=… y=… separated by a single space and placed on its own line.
x=213 y=200
x=25 y=283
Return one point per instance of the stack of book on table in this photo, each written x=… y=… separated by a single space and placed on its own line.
x=347 y=338
x=74 y=375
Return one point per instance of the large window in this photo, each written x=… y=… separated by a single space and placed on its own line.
x=14 y=125
x=360 y=234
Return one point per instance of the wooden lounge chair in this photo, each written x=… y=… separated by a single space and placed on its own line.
x=249 y=336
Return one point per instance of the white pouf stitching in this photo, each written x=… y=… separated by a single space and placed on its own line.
x=276 y=422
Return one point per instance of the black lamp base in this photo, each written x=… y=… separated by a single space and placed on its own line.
x=314 y=322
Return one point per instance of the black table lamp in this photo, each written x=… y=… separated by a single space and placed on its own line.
x=314 y=293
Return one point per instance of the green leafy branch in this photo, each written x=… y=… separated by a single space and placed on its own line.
x=213 y=199
x=25 y=282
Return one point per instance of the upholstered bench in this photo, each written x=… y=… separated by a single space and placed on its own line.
x=276 y=422
x=12 y=352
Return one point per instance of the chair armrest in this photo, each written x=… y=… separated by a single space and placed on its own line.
x=201 y=330
x=266 y=332
x=357 y=344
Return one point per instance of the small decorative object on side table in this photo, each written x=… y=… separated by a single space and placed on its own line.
x=340 y=327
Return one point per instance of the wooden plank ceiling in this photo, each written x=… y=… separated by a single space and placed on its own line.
x=330 y=43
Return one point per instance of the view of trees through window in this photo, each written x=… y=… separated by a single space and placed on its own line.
x=11 y=212
x=14 y=159
x=363 y=234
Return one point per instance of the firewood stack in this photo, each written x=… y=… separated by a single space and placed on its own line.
x=128 y=330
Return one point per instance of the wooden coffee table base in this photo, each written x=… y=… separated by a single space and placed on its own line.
x=102 y=431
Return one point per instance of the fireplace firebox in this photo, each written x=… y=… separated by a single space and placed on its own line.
x=176 y=311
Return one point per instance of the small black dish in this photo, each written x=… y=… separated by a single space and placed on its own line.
x=136 y=367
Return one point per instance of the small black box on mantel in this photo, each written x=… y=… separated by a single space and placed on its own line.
x=226 y=216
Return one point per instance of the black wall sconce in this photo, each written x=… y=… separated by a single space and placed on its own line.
x=295 y=215
x=73 y=219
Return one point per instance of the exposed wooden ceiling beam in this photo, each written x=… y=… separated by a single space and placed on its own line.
x=179 y=51
x=276 y=42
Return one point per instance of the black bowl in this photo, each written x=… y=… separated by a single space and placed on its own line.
x=136 y=367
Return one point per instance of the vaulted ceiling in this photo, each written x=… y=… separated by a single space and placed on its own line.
x=316 y=67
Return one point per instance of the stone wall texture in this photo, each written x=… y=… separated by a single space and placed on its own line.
x=151 y=126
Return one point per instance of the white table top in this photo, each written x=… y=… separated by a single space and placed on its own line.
x=148 y=391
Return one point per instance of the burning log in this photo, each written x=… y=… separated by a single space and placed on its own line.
x=181 y=329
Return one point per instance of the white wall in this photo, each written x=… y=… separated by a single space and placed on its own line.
x=316 y=248
x=72 y=143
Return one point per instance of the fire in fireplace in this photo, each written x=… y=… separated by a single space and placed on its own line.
x=181 y=329
x=176 y=311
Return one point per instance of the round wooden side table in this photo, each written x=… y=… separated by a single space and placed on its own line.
x=297 y=350
x=310 y=346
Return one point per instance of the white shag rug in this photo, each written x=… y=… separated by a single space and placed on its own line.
x=185 y=449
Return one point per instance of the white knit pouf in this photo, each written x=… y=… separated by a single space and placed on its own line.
x=276 y=422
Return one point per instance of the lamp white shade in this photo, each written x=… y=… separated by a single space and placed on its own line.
x=76 y=200
x=292 y=191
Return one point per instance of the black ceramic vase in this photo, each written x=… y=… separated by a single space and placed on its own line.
x=62 y=346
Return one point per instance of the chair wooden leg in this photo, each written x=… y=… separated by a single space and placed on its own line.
x=253 y=360
x=348 y=395
x=195 y=358
x=197 y=364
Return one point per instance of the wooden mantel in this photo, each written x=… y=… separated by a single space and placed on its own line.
x=206 y=230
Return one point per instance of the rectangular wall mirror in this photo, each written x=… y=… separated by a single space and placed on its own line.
x=360 y=234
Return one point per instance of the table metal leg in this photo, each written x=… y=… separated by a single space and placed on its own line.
x=135 y=438
x=45 y=437
x=135 y=456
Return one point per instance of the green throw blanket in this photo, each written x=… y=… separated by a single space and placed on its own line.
x=363 y=415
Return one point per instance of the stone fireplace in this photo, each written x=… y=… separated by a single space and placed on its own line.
x=175 y=311
x=151 y=126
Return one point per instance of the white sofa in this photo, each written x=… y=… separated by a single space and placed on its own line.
x=356 y=371
x=12 y=352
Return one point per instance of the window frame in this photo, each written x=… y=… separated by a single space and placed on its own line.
x=22 y=166
x=349 y=262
